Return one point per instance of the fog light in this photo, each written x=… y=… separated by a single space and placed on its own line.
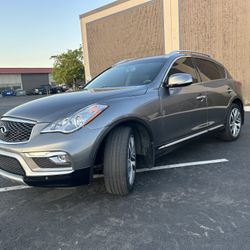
x=56 y=157
x=60 y=159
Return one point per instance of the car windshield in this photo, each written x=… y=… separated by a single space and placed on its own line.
x=128 y=74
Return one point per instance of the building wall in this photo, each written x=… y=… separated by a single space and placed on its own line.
x=220 y=28
x=9 y=80
x=51 y=80
x=128 y=29
x=30 y=81
x=138 y=28
x=126 y=34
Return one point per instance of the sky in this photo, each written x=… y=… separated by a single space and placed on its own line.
x=31 y=31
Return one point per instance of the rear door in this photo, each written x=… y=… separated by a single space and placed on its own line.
x=214 y=80
x=184 y=109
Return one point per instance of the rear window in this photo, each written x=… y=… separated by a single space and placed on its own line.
x=208 y=70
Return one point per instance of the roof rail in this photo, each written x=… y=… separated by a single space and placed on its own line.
x=191 y=52
x=123 y=61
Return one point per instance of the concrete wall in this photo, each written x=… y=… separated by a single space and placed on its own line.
x=25 y=81
x=127 y=29
x=51 y=80
x=138 y=28
x=133 y=35
x=30 y=81
x=220 y=28
x=7 y=80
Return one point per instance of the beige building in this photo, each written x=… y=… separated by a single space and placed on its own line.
x=138 y=28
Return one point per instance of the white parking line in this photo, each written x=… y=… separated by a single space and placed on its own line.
x=247 y=108
x=180 y=165
x=13 y=188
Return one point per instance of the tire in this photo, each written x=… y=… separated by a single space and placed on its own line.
x=233 y=124
x=120 y=161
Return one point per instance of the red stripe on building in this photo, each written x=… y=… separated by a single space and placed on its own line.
x=25 y=70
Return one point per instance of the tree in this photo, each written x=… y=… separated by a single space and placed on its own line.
x=68 y=68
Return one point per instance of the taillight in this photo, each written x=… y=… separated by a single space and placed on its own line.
x=238 y=83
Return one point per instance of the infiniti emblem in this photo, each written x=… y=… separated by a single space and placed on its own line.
x=4 y=130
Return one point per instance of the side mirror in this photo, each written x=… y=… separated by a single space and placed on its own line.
x=179 y=80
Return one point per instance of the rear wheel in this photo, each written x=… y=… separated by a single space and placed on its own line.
x=233 y=124
x=120 y=161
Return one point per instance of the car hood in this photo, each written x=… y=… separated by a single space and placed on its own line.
x=51 y=108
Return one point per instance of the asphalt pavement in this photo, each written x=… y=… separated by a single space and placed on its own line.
x=184 y=206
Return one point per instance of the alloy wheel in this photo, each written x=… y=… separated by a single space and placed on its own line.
x=131 y=160
x=235 y=122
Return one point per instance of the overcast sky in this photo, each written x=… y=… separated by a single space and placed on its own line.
x=33 y=30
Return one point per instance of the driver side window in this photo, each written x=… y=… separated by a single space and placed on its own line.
x=184 y=65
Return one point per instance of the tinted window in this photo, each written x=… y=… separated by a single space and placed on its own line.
x=128 y=74
x=184 y=65
x=208 y=70
x=221 y=70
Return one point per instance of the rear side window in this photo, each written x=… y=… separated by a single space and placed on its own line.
x=208 y=70
x=221 y=70
x=184 y=65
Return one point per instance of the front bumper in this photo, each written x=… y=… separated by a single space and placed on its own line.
x=79 y=177
x=31 y=169
x=79 y=148
x=14 y=177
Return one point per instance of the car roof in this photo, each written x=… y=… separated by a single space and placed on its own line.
x=174 y=55
x=171 y=55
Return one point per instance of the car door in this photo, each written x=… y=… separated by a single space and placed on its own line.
x=184 y=109
x=218 y=92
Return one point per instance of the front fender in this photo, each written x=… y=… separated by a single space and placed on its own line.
x=118 y=122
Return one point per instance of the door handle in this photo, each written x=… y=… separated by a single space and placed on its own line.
x=229 y=90
x=201 y=98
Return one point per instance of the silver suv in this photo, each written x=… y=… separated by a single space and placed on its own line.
x=124 y=118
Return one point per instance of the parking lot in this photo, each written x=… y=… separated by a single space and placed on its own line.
x=194 y=203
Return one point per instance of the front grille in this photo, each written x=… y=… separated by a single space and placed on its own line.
x=15 y=132
x=11 y=165
x=47 y=163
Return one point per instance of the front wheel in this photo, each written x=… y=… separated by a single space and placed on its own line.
x=120 y=161
x=233 y=124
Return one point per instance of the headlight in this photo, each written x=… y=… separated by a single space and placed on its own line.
x=76 y=121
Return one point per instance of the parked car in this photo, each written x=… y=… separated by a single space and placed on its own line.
x=122 y=120
x=8 y=92
x=47 y=89
x=20 y=92
x=60 y=89
x=69 y=90
x=64 y=87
